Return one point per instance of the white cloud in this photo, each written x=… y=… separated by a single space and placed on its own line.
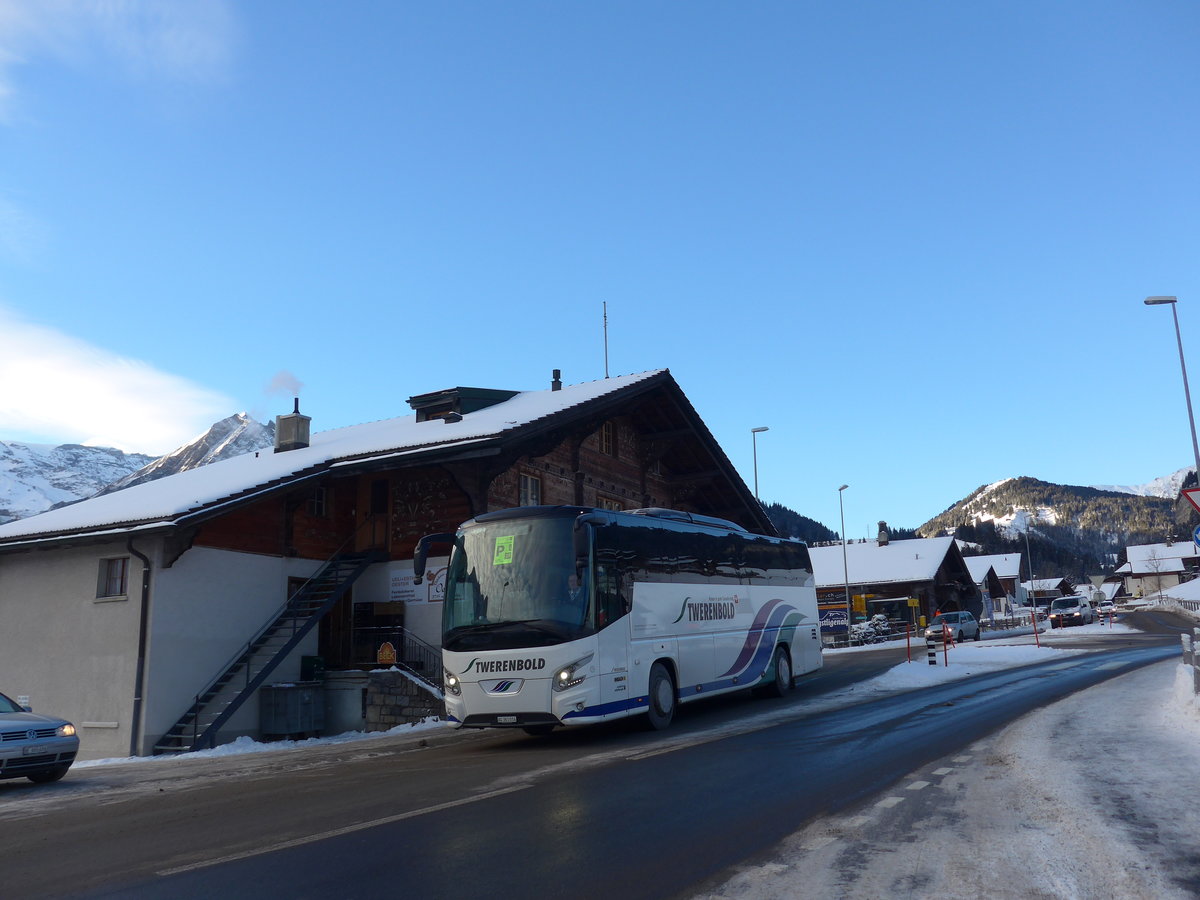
x=54 y=387
x=147 y=39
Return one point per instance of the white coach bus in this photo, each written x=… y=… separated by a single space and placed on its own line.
x=564 y=615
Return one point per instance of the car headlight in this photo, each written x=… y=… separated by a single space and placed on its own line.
x=453 y=685
x=568 y=676
x=65 y=730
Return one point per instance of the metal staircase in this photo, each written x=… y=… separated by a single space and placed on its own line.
x=197 y=728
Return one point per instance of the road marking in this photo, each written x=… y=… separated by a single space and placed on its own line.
x=942 y=771
x=917 y=786
x=338 y=832
x=889 y=802
x=1110 y=665
x=961 y=759
x=857 y=821
x=687 y=745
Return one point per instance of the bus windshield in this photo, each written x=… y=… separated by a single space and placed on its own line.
x=514 y=584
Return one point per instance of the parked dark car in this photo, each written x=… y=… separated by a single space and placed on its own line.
x=40 y=748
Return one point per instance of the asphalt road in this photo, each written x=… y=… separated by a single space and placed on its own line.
x=594 y=812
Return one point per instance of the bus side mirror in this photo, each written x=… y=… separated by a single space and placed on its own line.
x=422 y=553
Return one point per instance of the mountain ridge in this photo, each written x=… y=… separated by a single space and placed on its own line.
x=38 y=477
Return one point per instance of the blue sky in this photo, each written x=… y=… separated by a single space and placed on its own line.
x=911 y=239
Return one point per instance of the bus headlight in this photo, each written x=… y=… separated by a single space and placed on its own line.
x=569 y=676
x=450 y=680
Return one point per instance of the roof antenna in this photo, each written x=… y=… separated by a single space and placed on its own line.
x=605 y=338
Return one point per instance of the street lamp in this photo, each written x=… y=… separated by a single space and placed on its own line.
x=754 y=433
x=845 y=567
x=1187 y=395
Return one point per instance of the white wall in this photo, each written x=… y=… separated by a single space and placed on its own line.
x=204 y=609
x=74 y=655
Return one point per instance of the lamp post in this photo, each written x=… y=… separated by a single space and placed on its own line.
x=845 y=567
x=1031 y=597
x=754 y=433
x=1187 y=394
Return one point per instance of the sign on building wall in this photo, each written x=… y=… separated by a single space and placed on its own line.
x=432 y=588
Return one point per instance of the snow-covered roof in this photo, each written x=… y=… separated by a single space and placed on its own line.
x=1154 y=559
x=917 y=559
x=168 y=499
x=1007 y=565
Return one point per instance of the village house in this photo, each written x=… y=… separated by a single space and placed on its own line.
x=1046 y=589
x=180 y=612
x=998 y=577
x=910 y=580
x=1150 y=568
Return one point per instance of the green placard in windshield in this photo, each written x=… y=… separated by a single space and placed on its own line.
x=504 y=551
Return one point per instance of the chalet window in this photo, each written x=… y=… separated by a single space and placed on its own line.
x=531 y=491
x=609 y=503
x=608 y=439
x=318 y=503
x=113 y=581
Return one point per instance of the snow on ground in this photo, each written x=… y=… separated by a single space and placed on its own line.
x=244 y=745
x=1091 y=797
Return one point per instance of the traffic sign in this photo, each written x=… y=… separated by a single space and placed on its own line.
x=1193 y=497
x=1196 y=537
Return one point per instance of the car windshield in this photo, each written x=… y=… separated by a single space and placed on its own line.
x=944 y=618
x=9 y=706
x=1064 y=603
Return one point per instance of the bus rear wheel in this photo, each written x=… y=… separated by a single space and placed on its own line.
x=661 y=700
x=782 y=669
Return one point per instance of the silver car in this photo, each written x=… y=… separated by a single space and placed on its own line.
x=959 y=626
x=40 y=748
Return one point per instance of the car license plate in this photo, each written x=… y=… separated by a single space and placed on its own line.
x=506 y=720
x=32 y=750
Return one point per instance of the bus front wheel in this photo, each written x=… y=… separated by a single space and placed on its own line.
x=661 y=700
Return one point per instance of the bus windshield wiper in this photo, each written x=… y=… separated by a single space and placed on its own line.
x=531 y=624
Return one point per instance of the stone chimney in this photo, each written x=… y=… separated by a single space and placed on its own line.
x=883 y=534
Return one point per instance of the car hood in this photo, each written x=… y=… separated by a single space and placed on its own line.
x=11 y=721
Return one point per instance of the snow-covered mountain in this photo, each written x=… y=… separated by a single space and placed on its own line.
x=234 y=436
x=1168 y=486
x=38 y=477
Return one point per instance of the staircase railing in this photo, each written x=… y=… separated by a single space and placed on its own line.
x=420 y=659
x=290 y=622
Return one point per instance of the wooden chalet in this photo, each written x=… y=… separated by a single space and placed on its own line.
x=184 y=595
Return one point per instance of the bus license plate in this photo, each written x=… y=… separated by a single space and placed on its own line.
x=506 y=720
